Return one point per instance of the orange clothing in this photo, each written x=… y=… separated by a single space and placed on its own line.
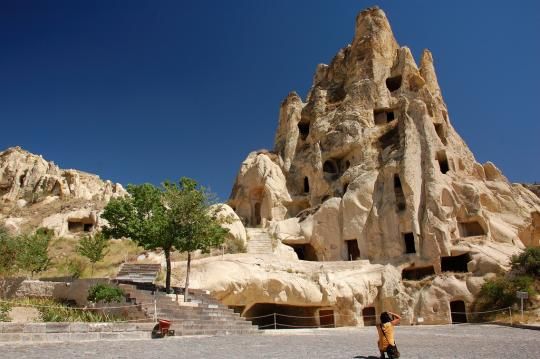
x=389 y=332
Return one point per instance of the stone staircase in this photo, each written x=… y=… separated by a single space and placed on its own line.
x=259 y=241
x=203 y=315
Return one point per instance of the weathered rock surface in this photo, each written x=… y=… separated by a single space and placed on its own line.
x=35 y=192
x=369 y=167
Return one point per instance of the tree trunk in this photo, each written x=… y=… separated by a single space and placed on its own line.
x=168 y=275
x=186 y=289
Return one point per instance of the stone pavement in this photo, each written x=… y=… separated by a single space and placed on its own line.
x=462 y=341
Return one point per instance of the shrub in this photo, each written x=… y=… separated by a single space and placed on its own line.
x=32 y=255
x=5 y=308
x=528 y=262
x=235 y=245
x=75 y=267
x=501 y=292
x=105 y=293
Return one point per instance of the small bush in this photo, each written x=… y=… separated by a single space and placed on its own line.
x=528 y=262
x=5 y=308
x=501 y=292
x=105 y=293
x=235 y=245
x=75 y=267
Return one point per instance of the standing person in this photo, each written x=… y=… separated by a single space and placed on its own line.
x=387 y=343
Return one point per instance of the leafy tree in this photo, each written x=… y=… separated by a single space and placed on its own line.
x=94 y=248
x=142 y=217
x=32 y=251
x=194 y=224
x=8 y=253
x=175 y=216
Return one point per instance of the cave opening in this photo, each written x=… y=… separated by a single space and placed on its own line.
x=330 y=166
x=439 y=129
x=389 y=138
x=370 y=316
x=383 y=116
x=458 y=311
x=303 y=128
x=455 y=263
x=353 y=251
x=305 y=252
x=443 y=162
x=80 y=225
x=257 y=219
x=393 y=83
x=398 y=192
x=306 y=185
x=417 y=273
x=281 y=316
x=410 y=247
x=471 y=229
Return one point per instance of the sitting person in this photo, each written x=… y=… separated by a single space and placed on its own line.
x=386 y=342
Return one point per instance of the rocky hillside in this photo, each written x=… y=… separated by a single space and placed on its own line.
x=37 y=193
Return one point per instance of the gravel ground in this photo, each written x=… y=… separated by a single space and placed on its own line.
x=462 y=341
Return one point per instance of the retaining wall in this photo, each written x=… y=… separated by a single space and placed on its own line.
x=61 y=332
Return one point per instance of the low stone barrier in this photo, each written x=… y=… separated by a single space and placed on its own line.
x=61 y=332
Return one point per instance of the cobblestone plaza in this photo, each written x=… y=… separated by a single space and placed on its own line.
x=461 y=341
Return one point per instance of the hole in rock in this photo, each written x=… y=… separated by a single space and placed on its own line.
x=398 y=192
x=330 y=166
x=303 y=128
x=257 y=214
x=383 y=116
x=75 y=225
x=393 y=83
x=471 y=229
x=390 y=138
x=326 y=318
x=417 y=273
x=370 y=316
x=305 y=252
x=22 y=178
x=336 y=94
x=353 y=252
x=345 y=186
x=409 y=243
x=286 y=316
x=455 y=263
x=458 y=311
x=439 y=128
x=306 y=185
x=443 y=162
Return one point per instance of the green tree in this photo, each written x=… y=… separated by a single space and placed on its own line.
x=527 y=262
x=94 y=248
x=142 y=217
x=32 y=253
x=175 y=216
x=8 y=253
x=193 y=223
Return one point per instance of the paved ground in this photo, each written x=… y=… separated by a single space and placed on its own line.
x=464 y=341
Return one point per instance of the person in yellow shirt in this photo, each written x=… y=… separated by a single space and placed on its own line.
x=387 y=343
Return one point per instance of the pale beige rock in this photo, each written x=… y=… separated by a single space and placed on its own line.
x=42 y=194
x=370 y=157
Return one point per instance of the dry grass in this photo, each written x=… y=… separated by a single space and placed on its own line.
x=66 y=261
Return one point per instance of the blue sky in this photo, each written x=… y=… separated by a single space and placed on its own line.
x=142 y=91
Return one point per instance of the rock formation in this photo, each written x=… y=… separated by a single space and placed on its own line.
x=37 y=193
x=370 y=170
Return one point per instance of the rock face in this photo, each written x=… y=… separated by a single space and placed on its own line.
x=369 y=168
x=35 y=192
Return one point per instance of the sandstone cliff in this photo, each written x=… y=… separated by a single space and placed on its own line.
x=37 y=193
x=368 y=169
